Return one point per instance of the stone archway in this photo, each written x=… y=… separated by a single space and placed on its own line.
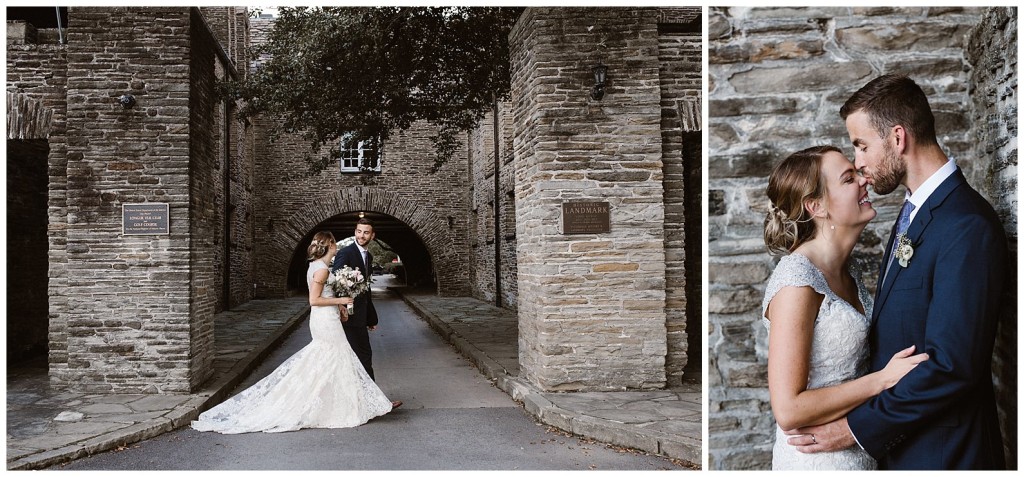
x=432 y=229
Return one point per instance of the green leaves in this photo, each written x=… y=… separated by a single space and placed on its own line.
x=329 y=71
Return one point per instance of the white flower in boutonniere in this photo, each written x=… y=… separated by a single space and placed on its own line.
x=904 y=250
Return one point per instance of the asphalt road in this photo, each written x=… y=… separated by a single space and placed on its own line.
x=452 y=419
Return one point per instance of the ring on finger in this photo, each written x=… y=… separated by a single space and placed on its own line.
x=813 y=439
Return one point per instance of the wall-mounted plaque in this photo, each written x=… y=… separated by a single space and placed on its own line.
x=149 y=218
x=585 y=218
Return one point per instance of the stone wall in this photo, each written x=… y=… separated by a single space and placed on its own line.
x=992 y=53
x=777 y=78
x=206 y=194
x=480 y=147
x=230 y=26
x=679 y=74
x=234 y=172
x=592 y=306
x=128 y=330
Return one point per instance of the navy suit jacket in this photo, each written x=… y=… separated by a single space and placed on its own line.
x=942 y=415
x=365 y=314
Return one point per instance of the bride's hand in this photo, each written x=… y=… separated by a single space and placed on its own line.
x=346 y=300
x=900 y=364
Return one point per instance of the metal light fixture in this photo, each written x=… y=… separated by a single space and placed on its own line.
x=127 y=101
x=600 y=71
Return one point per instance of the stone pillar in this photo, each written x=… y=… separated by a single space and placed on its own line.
x=992 y=166
x=591 y=306
x=129 y=312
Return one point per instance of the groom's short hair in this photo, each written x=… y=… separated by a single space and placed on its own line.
x=364 y=221
x=891 y=100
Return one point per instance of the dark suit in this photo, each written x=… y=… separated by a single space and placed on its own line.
x=365 y=314
x=942 y=415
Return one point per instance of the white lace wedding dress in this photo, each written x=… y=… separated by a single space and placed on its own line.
x=839 y=353
x=323 y=385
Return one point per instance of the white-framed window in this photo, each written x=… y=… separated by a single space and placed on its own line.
x=359 y=157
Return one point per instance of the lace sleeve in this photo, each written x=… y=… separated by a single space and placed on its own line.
x=794 y=270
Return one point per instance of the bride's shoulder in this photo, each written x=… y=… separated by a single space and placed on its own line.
x=795 y=270
x=793 y=264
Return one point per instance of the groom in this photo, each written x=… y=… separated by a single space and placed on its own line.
x=940 y=286
x=364 y=319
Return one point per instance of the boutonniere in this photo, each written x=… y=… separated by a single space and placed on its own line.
x=904 y=250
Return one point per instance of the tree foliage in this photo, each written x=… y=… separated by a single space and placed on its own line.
x=362 y=73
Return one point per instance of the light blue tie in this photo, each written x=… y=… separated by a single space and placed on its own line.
x=902 y=224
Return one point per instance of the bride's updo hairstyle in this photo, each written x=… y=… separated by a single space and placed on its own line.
x=318 y=247
x=793 y=181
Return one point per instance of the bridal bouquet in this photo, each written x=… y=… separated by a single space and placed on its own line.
x=348 y=282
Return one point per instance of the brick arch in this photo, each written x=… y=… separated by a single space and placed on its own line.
x=27 y=118
x=432 y=229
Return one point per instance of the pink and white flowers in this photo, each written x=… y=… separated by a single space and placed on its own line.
x=348 y=282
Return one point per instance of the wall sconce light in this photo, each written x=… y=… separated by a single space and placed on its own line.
x=599 y=76
x=361 y=215
x=127 y=101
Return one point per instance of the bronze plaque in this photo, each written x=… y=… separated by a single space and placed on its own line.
x=585 y=218
x=150 y=218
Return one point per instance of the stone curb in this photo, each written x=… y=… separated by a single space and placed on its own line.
x=548 y=413
x=180 y=416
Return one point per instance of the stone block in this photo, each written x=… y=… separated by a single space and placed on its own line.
x=615 y=267
x=20 y=33
x=749 y=163
x=750 y=375
x=904 y=37
x=812 y=76
x=733 y=300
x=738 y=273
x=780 y=104
x=761 y=50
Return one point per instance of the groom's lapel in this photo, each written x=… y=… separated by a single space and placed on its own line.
x=914 y=233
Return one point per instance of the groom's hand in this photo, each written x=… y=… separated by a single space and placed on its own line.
x=833 y=436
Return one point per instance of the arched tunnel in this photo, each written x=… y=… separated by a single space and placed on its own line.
x=416 y=269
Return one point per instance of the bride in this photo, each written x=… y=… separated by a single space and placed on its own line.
x=817 y=312
x=323 y=385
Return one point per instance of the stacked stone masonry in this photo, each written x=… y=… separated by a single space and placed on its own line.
x=992 y=53
x=480 y=144
x=679 y=55
x=592 y=307
x=128 y=327
x=777 y=79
